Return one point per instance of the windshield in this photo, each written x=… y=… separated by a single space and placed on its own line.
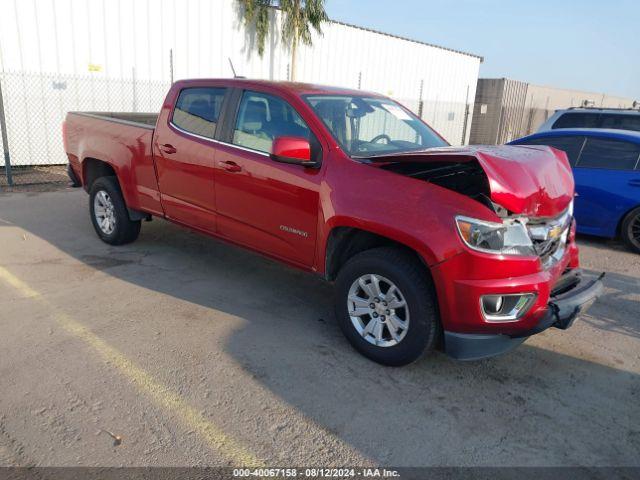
x=366 y=127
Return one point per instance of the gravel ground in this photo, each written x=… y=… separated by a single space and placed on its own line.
x=41 y=178
x=180 y=350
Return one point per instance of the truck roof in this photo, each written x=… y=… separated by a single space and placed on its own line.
x=297 y=88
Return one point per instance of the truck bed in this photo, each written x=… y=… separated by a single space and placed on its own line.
x=144 y=120
x=124 y=141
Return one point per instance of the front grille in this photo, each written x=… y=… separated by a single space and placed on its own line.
x=549 y=237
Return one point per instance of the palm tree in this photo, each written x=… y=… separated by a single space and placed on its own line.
x=299 y=17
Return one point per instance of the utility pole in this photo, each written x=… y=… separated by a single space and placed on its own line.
x=466 y=118
x=135 y=92
x=171 y=64
x=420 y=101
x=5 y=140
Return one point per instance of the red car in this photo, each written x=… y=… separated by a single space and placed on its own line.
x=471 y=250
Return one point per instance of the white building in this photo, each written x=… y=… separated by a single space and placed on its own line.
x=110 y=55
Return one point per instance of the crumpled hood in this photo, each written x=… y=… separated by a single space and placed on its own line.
x=530 y=180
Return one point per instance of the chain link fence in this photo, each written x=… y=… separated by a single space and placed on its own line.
x=35 y=105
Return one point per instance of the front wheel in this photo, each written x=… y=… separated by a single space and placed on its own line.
x=386 y=306
x=630 y=230
x=109 y=213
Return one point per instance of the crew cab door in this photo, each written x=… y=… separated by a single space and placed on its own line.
x=185 y=149
x=266 y=205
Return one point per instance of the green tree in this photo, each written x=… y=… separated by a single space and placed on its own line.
x=298 y=18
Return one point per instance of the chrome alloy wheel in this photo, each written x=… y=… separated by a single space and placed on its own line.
x=378 y=310
x=103 y=211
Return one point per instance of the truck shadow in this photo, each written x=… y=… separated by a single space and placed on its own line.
x=534 y=406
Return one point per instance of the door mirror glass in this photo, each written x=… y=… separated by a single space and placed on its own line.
x=292 y=150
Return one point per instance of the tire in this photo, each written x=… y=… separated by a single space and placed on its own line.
x=120 y=229
x=414 y=285
x=630 y=230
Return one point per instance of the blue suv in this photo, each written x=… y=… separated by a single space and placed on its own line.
x=606 y=168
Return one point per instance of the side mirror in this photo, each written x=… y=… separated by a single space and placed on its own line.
x=294 y=150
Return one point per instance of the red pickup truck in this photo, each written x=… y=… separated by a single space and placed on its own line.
x=470 y=250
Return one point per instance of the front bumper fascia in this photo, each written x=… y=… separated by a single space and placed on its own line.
x=572 y=295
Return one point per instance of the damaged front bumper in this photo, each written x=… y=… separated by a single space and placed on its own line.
x=572 y=295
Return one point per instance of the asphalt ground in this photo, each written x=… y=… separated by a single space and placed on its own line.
x=180 y=350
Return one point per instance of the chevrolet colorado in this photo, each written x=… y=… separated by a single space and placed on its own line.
x=470 y=250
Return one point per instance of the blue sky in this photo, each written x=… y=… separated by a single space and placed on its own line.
x=579 y=44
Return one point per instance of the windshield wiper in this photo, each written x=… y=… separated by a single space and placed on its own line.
x=371 y=156
x=398 y=153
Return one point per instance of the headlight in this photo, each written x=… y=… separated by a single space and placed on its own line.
x=507 y=238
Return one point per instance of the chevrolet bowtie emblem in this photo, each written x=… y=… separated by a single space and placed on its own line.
x=555 y=232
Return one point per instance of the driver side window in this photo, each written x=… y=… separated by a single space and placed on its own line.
x=262 y=118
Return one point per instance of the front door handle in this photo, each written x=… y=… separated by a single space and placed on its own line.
x=168 y=148
x=635 y=182
x=230 y=166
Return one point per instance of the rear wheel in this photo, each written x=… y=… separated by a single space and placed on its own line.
x=386 y=307
x=630 y=230
x=109 y=213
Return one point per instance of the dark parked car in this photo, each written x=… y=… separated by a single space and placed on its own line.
x=606 y=168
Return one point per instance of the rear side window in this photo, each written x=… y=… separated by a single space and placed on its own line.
x=571 y=145
x=610 y=154
x=621 y=122
x=577 y=120
x=197 y=110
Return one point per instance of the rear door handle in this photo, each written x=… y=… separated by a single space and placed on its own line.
x=168 y=148
x=635 y=182
x=230 y=166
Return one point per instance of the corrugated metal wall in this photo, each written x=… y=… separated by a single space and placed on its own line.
x=498 y=107
x=104 y=44
x=508 y=109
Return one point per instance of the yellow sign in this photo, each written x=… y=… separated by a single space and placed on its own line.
x=95 y=68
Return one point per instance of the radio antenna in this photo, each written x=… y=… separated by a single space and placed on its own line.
x=235 y=75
